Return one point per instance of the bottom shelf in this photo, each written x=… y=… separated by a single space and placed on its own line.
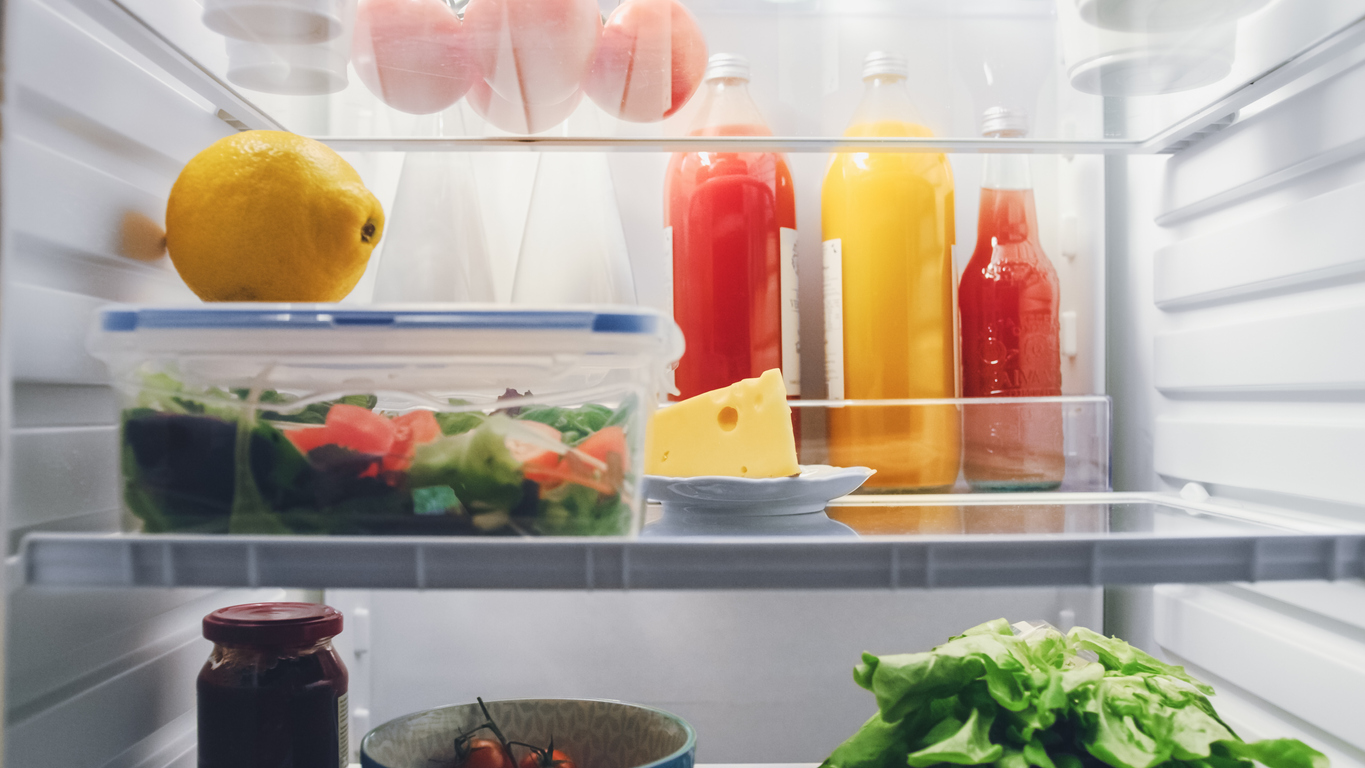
x=904 y=542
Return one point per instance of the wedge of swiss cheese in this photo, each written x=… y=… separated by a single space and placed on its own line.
x=743 y=430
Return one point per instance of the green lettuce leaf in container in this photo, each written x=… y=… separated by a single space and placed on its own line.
x=476 y=464
x=573 y=423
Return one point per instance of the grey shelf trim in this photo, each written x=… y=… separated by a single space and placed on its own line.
x=727 y=144
x=76 y=560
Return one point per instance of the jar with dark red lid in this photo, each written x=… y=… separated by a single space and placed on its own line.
x=273 y=692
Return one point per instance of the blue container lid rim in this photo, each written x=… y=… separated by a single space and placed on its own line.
x=624 y=320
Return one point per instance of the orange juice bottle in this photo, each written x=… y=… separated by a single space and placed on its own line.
x=888 y=232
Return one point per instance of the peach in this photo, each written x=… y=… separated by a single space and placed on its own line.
x=649 y=62
x=412 y=54
x=533 y=51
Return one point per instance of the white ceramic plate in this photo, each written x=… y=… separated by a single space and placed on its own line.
x=722 y=506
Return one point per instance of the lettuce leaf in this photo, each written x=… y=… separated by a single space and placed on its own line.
x=878 y=744
x=574 y=424
x=1274 y=753
x=475 y=464
x=1035 y=700
x=1118 y=656
x=969 y=743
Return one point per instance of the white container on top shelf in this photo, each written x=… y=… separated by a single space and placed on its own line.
x=277 y=21
x=1131 y=59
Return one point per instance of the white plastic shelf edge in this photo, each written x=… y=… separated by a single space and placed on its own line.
x=902 y=562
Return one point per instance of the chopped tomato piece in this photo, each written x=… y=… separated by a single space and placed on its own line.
x=537 y=463
x=410 y=431
x=308 y=438
x=607 y=446
x=530 y=453
x=605 y=442
x=395 y=463
x=360 y=429
x=551 y=477
x=420 y=425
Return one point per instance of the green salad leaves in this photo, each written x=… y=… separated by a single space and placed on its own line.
x=213 y=460
x=1043 y=699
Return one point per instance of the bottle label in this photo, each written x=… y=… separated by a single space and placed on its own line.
x=834 y=318
x=791 y=318
x=343 y=732
x=668 y=270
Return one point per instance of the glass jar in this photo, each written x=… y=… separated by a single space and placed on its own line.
x=273 y=692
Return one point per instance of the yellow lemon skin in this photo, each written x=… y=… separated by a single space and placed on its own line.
x=271 y=216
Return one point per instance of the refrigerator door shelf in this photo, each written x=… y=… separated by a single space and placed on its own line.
x=906 y=542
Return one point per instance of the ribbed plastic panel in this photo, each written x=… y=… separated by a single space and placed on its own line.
x=1089 y=543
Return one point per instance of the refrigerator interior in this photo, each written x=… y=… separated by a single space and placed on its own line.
x=1216 y=292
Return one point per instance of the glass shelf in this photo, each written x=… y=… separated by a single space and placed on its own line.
x=908 y=542
x=1092 y=76
x=962 y=445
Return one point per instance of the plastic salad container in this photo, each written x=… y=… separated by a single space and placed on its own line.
x=319 y=419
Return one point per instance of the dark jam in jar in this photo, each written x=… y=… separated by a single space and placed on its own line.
x=273 y=693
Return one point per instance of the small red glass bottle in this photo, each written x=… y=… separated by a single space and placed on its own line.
x=1008 y=307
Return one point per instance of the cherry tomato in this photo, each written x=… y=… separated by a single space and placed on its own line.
x=557 y=759
x=485 y=753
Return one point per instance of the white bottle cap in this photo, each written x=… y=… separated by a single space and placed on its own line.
x=1002 y=123
x=883 y=63
x=727 y=65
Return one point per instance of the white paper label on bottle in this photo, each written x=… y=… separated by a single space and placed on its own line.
x=791 y=316
x=343 y=732
x=668 y=270
x=834 y=318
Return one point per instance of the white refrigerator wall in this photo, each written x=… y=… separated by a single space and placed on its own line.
x=1257 y=226
x=92 y=142
x=1235 y=300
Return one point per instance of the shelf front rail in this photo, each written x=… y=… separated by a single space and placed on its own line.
x=902 y=562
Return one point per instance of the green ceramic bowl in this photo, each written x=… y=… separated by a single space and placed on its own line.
x=594 y=732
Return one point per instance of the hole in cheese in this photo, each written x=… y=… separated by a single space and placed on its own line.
x=728 y=418
x=664 y=457
x=744 y=470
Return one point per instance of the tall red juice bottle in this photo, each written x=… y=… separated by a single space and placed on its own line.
x=730 y=227
x=1008 y=308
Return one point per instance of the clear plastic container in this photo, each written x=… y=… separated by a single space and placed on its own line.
x=1083 y=421
x=320 y=419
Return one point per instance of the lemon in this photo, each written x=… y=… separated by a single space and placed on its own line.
x=271 y=216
